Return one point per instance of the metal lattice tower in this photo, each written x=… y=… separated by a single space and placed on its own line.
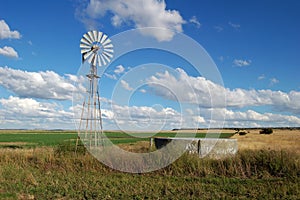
x=97 y=50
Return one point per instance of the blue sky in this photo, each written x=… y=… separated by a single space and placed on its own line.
x=255 y=45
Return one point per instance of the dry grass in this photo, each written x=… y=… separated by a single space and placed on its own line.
x=138 y=147
x=279 y=140
x=46 y=173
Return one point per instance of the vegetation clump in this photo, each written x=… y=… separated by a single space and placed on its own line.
x=266 y=131
x=241 y=132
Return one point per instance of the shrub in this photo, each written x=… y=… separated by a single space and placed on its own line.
x=242 y=133
x=266 y=131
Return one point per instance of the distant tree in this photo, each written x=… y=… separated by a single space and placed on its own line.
x=242 y=133
x=266 y=131
x=237 y=130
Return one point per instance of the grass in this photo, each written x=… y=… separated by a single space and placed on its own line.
x=42 y=173
x=25 y=138
x=36 y=139
x=52 y=171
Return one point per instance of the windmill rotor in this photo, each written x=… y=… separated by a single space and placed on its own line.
x=96 y=48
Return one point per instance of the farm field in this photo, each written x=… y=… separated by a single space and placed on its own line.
x=280 y=139
x=35 y=138
x=49 y=169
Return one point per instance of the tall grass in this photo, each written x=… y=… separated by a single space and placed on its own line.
x=246 y=164
x=58 y=173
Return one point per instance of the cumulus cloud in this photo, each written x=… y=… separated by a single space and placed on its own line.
x=150 y=118
x=9 y=52
x=44 y=85
x=195 y=21
x=200 y=91
x=6 y=33
x=251 y=118
x=30 y=113
x=273 y=81
x=126 y=85
x=241 y=63
x=119 y=69
x=145 y=117
x=139 y=13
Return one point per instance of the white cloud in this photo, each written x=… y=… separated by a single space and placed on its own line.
x=29 y=113
x=111 y=76
x=241 y=63
x=6 y=33
x=219 y=28
x=273 y=81
x=126 y=85
x=119 y=69
x=9 y=52
x=143 y=91
x=200 y=91
x=195 y=21
x=251 y=118
x=139 y=13
x=235 y=26
x=44 y=85
x=261 y=77
x=150 y=118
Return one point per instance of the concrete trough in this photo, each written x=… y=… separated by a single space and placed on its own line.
x=204 y=147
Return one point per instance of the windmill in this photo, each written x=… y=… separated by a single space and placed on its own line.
x=97 y=50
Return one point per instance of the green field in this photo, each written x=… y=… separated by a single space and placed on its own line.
x=26 y=138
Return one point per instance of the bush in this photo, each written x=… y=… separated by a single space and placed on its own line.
x=243 y=133
x=266 y=131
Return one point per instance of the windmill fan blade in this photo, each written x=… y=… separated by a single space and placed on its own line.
x=109 y=50
x=91 y=58
x=105 y=57
x=108 y=54
x=108 y=46
x=106 y=42
x=85 y=41
x=95 y=33
x=90 y=33
x=103 y=38
x=84 y=46
x=99 y=61
x=84 y=50
x=86 y=55
x=99 y=36
x=102 y=59
x=86 y=37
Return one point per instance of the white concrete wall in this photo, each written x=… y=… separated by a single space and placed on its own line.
x=204 y=147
